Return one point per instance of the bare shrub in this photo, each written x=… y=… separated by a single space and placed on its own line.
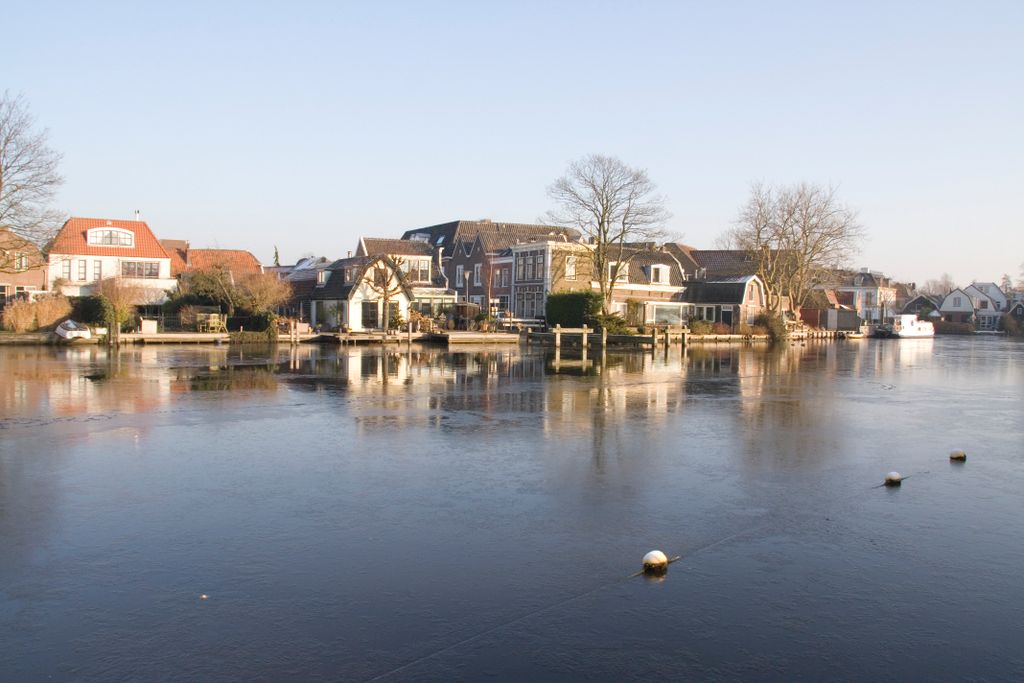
x=50 y=310
x=19 y=316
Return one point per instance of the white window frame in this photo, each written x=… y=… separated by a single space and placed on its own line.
x=459 y=275
x=477 y=267
x=101 y=237
x=570 y=267
x=623 y=272
x=659 y=274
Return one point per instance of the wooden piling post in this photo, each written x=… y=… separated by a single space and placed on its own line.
x=558 y=335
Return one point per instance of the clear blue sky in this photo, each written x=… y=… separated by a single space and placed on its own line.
x=306 y=125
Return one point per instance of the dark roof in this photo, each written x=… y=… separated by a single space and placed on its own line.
x=337 y=288
x=380 y=245
x=640 y=267
x=683 y=255
x=724 y=262
x=723 y=291
x=502 y=234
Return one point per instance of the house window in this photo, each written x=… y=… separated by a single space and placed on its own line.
x=539 y=259
x=97 y=270
x=506 y=273
x=570 y=267
x=659 y=275
x=322 y=277
x=984 y=304
x=956 y=301
x=20 y=261
x=140 y=269
x=529 y=267
x=82 y=268
x=459 y=275
x=65 y=269
x=497 y=278
x=520 y=261
x=623 y=273
x=112 y=238
x=476 y=274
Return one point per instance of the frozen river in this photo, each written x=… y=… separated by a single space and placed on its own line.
x=417 y=514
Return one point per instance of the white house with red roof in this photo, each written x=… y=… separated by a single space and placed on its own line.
x=87 y=250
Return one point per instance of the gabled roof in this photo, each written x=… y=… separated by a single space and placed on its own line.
x=72 y=239
x=504 y=234
x=373 y=246
x=336 y=288
x=237 y=261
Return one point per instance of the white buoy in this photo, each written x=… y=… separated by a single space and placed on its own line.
x=655 y=562
x=893 y=479
x=204 y=596
x=958 y=455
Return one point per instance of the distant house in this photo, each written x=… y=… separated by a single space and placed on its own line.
x=429 y=288
x=957 y=307
x=923 y=306
x=302 y=277
x=870 y=293
x=22 y=267
x=823 y=310
x=1016 y=311
x=87 y=250
x=345 y=295
x=728 y=300
x=989 y=303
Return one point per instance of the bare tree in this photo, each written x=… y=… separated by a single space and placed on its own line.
x=939 y=287
x=385 y=279
x=614 y=206
x=28 y=180
x=797 y=236
x=1006 y=284
x=119 y=300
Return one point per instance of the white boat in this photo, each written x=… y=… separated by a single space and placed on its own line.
x=70 y=331
x=906 y=326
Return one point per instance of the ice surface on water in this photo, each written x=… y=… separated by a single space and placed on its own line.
x=356 y=512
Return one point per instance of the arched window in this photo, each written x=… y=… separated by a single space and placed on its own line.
x=111 y=237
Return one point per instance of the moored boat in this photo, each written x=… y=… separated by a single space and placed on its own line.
x=905 y=326
x=69 y=331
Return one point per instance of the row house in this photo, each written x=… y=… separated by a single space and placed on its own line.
x=22 y=267
x=87 y=250
x=475 y=256
x=648 y=288
x=872 y=295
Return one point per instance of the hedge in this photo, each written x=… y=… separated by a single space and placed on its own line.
x=572 y=309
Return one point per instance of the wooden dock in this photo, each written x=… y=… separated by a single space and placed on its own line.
x=453 y=337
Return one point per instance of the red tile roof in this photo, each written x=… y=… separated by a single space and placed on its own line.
x=72 y=239
x=238 y=261
x=177 y=249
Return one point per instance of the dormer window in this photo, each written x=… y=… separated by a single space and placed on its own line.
x=111 y=237
x=322 y=277
x=659 y=275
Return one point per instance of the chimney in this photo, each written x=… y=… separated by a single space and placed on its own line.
x=138 y=215
x=349 y=254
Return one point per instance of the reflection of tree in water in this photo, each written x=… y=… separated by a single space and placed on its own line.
x=232 y=378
